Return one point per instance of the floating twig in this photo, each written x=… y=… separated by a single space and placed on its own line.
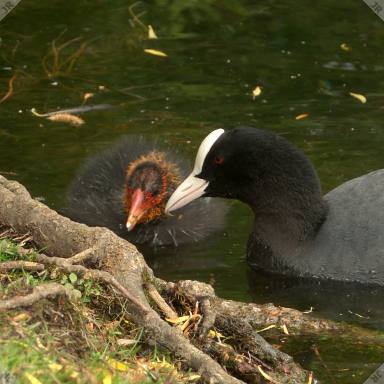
x=10 y=88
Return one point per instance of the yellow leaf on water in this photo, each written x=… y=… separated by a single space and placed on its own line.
x=151 y=33
x=256 y=92
x=87 y=96
x=154 y=52
x=359 y=97
x=345 y=47
x=302 y=116
x=32 y=379
x=118 y=365
x=66 y=118
x=107 y=379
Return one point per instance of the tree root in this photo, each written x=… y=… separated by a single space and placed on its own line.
x=40 y=292
x=119 y=264
x=31 y=266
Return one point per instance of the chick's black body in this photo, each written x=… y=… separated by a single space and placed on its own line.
x=96 y=198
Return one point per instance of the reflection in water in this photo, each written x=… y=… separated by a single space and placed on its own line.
x=335 y=300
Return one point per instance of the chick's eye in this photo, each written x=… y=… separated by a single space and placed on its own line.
x=218 y=160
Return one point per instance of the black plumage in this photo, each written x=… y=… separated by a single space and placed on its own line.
x=296 y=230
x=96 y=198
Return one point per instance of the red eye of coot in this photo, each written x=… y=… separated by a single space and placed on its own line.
x=218 y=160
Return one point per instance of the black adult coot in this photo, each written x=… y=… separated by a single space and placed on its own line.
x=296 y=230
x=125 y=188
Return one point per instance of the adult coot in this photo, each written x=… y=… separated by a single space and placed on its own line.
x=296 y=230
x=125 y=188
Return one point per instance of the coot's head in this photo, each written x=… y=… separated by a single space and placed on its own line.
x=257 y=167
x=150 y=181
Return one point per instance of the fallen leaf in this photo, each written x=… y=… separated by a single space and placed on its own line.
x=118 y=365
x=125 y=342
x=32 y=379
x=266 y=376
x=266 y=328
x=178 y=320
x=74 y=374
x=310 y=378
x=345 y=47
x=256 y=92
x=154 y=52
x=359 y=97
x=310 y=310
x=107 y=379
x=212 y=334
x=21 y=317
x=66 y=118
x=40 y=344
x=151 y=33
x=54 y=367
x=302 y=116
x=285 y=329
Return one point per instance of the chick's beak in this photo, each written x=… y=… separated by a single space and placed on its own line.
x=190 y=189
x=136 y=211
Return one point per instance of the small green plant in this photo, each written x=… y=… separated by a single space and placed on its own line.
x=84 y=289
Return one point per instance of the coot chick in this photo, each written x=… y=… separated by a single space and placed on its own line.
x=125 y=188
x=296 y=231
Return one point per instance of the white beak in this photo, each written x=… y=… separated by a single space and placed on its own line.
x=190 y=189
x=193 y=187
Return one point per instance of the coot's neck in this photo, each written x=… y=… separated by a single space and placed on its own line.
x=287 y=215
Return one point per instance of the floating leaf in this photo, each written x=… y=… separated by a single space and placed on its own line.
x=309 y=310
x=359 y=97
x=151 y=33
x=154 y=52
x=87 y=96
x=32 y=379
x=66 y=118
x=256 y=92
x=302 y=116
x=345 y=47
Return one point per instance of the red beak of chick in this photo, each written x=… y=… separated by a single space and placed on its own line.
x=137 y=209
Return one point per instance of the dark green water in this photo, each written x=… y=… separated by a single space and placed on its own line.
x=218 y=51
